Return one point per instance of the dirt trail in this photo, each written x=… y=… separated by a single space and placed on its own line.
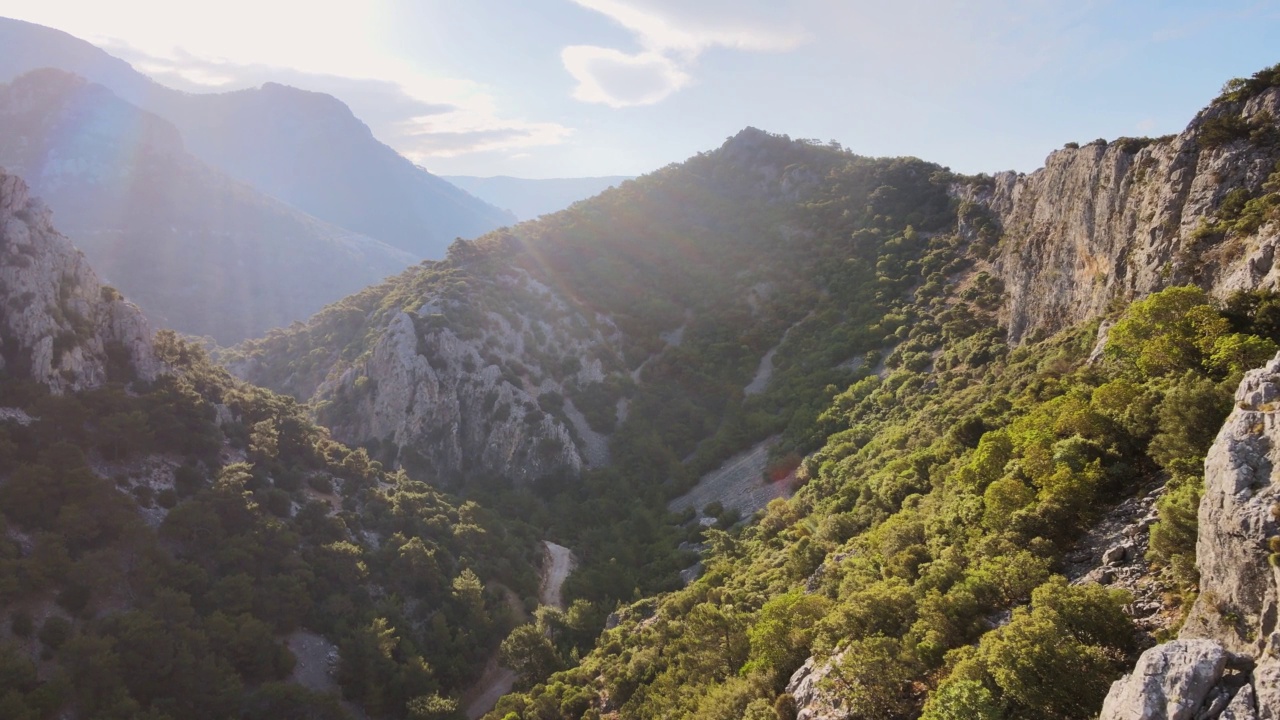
x=764 y=372
x=557 y=563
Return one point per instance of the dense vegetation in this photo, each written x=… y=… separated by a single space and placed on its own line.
x=229 y=523
x=944 y=474
x=731 y=250
x=939 y=500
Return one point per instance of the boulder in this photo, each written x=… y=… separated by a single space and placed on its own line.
x=1170 y=682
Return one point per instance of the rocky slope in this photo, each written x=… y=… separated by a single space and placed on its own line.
x=520 y=352
x=477 y=400
x=1119 y=220
x=1226 y=662
x=198 y=251
x=304 y=148
x=59 y=325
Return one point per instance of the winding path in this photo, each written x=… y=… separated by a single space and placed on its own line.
x=557 y=563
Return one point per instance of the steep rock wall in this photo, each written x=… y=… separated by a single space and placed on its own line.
x=1116 y=221
x=479 y=402
x=1226 y=661
x=58 y=325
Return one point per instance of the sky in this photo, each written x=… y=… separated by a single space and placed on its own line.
x=572 y=88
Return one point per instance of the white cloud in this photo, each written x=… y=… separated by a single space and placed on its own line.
x=689 y=28
x=614 y=78
x=672 y=35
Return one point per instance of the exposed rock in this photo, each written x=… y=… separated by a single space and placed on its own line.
x=59 y=325
x=1233 y=622
x=691 y=573
x=1117 y=220
x=1243 y=706
x=1237 y=602
x=1113 y=553
x=1116 y=555
x=738 y=484
x=456 y=406
x=1171 y=681
x=812 y=701
x=14 y=415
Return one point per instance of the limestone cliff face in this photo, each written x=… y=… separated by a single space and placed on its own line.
x=490 y=396
x=58 y=325
x=1118 y=221
x=1226 y=662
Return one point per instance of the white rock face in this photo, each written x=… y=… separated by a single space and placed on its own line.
x=1103 y=222
x=1171 y=682
x=812 y=701
x=1232 y=625
x=1237 y=604
x=454 y=406
x=57 y=323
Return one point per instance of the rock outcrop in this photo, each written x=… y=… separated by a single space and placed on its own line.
x=814 y=702
x=1227 y=660
x=1179 y=680
x=491 y=397
x=58 y=325
x=1120 y=220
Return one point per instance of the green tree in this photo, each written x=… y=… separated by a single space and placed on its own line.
x=530 y=654
x=1167 y=333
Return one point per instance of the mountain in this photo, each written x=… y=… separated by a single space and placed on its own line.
x=303 y=148
x=307 y=149
x=529 y=199
x=177 y=543
x=563 y=314
x=199 y=251
x=992 y=397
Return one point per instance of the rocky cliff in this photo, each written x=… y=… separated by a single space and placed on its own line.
x=464 y=382
x=487 y=397
x=59 y=326
x=1226 y=662
x=1119 y=220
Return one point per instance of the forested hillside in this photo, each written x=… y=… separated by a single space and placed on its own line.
x=175 y=543
x=861 y=309
x=974 y=390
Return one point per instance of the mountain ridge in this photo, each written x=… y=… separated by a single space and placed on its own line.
x=985 y=420
x=198 y=250
x=380 y=193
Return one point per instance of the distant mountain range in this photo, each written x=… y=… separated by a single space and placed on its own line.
x=529 y=199
x=306 y=149
x=197 y=250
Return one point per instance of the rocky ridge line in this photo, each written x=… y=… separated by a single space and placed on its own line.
x=1120 y=220
x=60 y=326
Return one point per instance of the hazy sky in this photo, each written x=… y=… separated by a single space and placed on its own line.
x=559 y=88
